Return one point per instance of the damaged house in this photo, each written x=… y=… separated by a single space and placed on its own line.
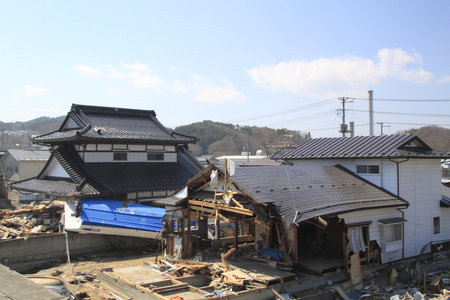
x=315 y=217
x=108 y=161
x=402 y=165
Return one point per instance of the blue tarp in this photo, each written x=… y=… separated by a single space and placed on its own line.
x=275 y=254
x=111 y=213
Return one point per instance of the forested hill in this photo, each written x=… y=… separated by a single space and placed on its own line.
x=39 y=126
x=438 y=138
x=227 y=139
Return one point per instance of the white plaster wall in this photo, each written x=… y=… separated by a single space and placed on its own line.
x=55 y=169
x=420 y=186
x=9 y=162
x=99 y=157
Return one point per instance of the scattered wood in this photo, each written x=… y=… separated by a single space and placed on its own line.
x=31 y=220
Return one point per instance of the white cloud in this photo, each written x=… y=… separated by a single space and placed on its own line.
x=138 y=74
x=325 y=75
x=205 y=91
x=445 y=78
x=89 y=71
x=112 y=92
x=30 y=90
x=137 y=67
x=145 y=80
x=179 y=87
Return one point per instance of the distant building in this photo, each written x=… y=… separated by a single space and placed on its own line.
x=17 y=164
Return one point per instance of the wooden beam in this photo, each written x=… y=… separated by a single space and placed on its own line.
x=242 y=211
x=224 y=258
x=202 y=209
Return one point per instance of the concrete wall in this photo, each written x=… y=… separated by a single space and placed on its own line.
x=26 y=254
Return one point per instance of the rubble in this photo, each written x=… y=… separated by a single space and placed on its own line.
x=31 y=220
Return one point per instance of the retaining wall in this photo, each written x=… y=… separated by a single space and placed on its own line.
x=23 y=255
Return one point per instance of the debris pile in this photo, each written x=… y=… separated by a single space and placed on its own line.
x=30 y=220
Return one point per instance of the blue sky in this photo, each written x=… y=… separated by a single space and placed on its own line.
x=280 y=64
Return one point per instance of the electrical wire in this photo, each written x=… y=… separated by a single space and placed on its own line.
x=286 y=111
x=402 y=113
x=406 y=100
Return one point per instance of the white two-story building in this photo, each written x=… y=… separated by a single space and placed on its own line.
x=400 y=164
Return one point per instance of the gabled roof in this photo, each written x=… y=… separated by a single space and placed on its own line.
x=86 y=123
x=383 y=146
x=28 y=155
x=106 y=179
x=302 y=193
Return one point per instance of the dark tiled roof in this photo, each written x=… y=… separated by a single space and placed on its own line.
x=109 y=124
x=94 y=179
x=312 y=191
x=383 y=146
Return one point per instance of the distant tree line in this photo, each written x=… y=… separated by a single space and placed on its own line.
x=219 y=139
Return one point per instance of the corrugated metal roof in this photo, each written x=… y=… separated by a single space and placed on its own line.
x=312 y=191
x=109 y=124
x=383 y=146
x=29 y=155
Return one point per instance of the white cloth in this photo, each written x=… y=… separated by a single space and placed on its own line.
x=356 y=239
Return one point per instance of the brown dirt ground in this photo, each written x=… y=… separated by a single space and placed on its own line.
x=87 y=265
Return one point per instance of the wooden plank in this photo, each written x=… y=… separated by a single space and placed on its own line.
x=170 y=288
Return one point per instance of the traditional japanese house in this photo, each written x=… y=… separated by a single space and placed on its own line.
x=115 y=154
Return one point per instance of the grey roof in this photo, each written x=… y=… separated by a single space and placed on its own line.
x=109 y=124
x=262 y=162
x=312 y=191
x=29 y=155
x=105 y=179
x=383 y=146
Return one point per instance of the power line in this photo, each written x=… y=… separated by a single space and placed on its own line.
x=421 y=124
x=403 y=113
x=309 y=117
x=407 y=100
x=286 y=111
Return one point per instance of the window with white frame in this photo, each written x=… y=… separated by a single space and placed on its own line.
x=368 y=169
x=393 y=232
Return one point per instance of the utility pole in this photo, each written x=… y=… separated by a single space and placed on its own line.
x=248 y=148
x=382 y=126
x=3 y=133
x=344 y=128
